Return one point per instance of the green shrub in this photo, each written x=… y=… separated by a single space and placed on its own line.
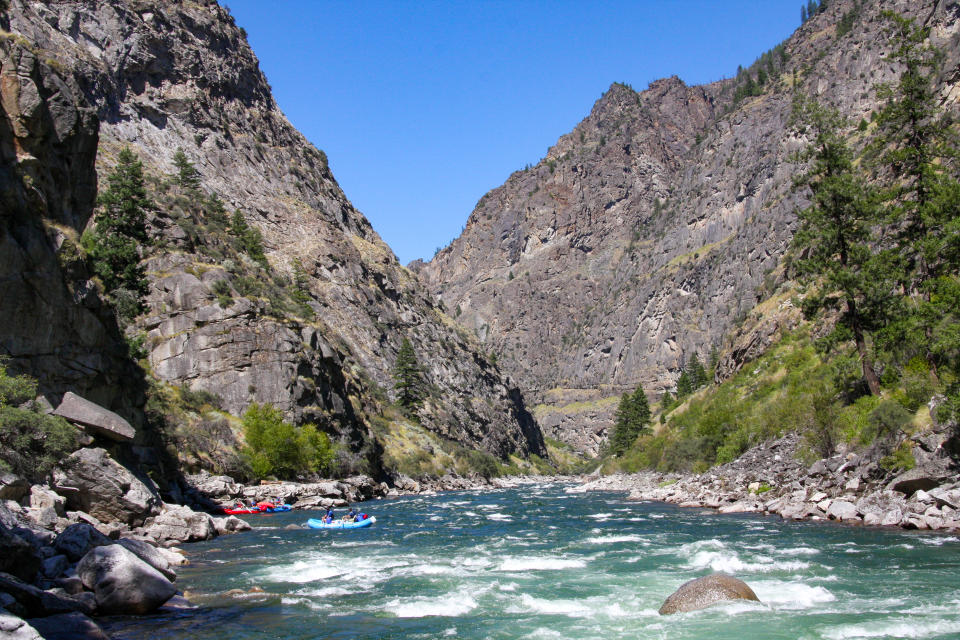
x=900 y=460
x=277 y=448
x=31 y=442
x=483 y=463
x=888 y=419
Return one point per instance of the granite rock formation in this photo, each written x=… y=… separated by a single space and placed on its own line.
x=651 y=231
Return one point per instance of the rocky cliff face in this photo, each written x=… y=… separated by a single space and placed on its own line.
x=159 y=76
x=53 y=322
x=656 y=225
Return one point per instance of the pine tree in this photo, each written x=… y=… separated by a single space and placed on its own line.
x=915 y=148
x=251 y=240
x=835 y=233
x=408 y=378
x=696 y=372
x=119 y=233
x=684 y=385
x=630 y=421
x=714 y=362
x=187 y=175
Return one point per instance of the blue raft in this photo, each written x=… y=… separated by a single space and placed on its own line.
x=314 y=523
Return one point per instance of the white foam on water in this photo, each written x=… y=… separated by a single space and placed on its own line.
x=451 y=632
x=489 y=506
x=510 y=586
x=657 y=516
x=526 y=563
x=905 y=546
x=363 y=543
x=325 y=592
x=455 y=604
x=730 y=562
x=436 y=518
x=501 y=517
x=472 y=514
x=602 y=517
x=303 y=571
x=897 y=628
x=937 y=541
x=616 y=539
x=797 y=551
x=571 y=608
x=781 y=594
x=715 y=555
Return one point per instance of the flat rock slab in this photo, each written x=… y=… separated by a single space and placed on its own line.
x=94 y=419
x=705 y=592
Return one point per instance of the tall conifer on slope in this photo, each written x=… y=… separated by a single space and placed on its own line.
x=631 y=420
x=835 y=234
x=408 y=378
x=916 y=149
x=119 y=233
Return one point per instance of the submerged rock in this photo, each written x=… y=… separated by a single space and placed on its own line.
x=707 y=591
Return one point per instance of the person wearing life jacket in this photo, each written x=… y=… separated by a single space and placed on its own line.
x=328 y=518
x=351 y=515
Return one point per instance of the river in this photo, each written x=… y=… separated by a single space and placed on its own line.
x=539 y=562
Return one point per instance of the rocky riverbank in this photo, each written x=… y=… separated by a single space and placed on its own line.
x=851 y=487
x=98 y=539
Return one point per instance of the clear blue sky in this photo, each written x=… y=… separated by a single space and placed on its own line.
x=422 y=107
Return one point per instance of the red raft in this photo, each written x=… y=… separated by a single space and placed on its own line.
x=261 y=507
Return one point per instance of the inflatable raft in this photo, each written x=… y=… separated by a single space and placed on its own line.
x=263 y=507
x=314 y=523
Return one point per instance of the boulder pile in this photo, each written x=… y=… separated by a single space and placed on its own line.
x=98 y=540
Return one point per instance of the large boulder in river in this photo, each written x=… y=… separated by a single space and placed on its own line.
x=181 y=524
x=94 y=419
x=707 y=591
x=94 y=482
x=122 y=582
x=149 y=554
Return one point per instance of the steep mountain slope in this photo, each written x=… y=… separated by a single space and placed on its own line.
x=166 y=75
x=654 y=227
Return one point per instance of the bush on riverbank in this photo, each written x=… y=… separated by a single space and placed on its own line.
x=31 y=442
x=277 y=448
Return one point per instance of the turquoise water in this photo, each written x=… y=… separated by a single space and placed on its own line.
x=537 y=562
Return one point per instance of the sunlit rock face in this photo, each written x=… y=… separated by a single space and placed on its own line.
x=653 y=229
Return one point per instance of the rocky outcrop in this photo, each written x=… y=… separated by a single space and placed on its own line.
x=705 y=592
x=94 y=419
x=95 y=483
x=652 y=230
x=181 y=524
x=48 y=146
